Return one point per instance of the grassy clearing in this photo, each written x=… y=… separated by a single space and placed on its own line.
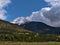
x=29 y=43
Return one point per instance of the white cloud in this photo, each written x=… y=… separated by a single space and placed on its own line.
x=2 y=14
x=53 y=2
x=53 y=15
x=3 y=3
x=20 y=20
x=47 y=15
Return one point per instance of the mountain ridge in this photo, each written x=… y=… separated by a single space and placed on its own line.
x=25 y=32
x=41 y=27
x=38 y=27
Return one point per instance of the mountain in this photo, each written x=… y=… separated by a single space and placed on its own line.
x=41 y=28
x=38 y=27
x=28 y=32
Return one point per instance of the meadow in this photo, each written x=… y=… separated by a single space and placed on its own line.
x=29 y=43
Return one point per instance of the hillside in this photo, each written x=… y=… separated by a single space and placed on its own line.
x=6 y=27
x=14 y=32
x=41 y=28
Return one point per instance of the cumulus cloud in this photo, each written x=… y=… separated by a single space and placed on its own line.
x=53 y=2
x=20 y=20
x=2 y=14
x=3 y=4
x=47 y=15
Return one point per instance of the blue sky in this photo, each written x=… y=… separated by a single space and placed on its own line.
x=24 y=8
x=21 y=11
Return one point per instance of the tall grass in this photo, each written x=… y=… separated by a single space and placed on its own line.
x=29 y=43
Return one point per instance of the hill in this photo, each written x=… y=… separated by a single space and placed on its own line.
x=28 y=32
x=7 y=27
x=41 y=28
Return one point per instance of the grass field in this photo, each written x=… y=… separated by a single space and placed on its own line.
x=29 y=43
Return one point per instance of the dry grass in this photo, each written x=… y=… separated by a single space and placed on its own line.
x=29 y=43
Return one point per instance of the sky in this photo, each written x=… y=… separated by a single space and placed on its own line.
x=21 y=11
x=23 y=8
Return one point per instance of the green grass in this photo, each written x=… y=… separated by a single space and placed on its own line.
x=29 y=43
